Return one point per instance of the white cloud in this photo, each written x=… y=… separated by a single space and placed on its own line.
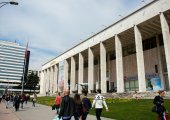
x=50 y=24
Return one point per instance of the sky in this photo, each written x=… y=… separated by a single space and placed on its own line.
x=51 y=27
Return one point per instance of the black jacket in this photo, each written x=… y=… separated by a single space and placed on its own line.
x=159 y=102
x=67 y=107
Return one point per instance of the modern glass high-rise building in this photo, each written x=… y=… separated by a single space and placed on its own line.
x=11 y=64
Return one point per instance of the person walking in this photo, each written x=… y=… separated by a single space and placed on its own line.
x=0 y=97
x=78 y=107
x=99 y=101
x=16 y=102
x=159 y=102
x=34 y=100
x=57 y=102
x=86 y=104
x=7 y=100
x=67 y=106
x=22 y=99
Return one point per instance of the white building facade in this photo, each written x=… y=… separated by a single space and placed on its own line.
x=11 y=64
x=132 y=54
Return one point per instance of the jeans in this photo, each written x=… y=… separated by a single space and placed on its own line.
x=76 y=116
x=84 y=115
x=98 y=113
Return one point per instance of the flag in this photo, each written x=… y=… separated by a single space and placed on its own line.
x=26 y=49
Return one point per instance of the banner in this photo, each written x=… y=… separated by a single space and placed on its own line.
x=156 y=83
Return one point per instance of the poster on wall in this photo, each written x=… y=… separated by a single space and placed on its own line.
x=156 y=83
x=61 y=76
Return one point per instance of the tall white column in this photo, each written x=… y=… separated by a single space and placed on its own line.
x=119 y=65
x=52 y=80
x=140 y=60
x=159 y=62
x=73 y=73
x=90 y=70
x=80 y=72
x=48 y=79
x=103 y=68
x=56 y=78
x=66 y=74
x=42 y=80
x=166 y=39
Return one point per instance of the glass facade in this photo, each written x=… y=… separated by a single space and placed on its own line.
x=11 y=64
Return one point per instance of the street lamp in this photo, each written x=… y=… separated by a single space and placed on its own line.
x=5 y=3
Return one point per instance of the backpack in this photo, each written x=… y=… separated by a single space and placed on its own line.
x=86 y=104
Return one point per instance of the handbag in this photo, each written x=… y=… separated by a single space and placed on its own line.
x=154 y=109
x=53 y=107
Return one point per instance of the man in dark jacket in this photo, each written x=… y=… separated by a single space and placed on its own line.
x=159 y=102
x=67 y=106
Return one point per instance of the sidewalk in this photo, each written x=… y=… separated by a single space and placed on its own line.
x=39 y=112
x=7 y=114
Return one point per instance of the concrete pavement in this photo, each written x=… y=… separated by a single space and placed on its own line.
x=7 y=114
x=39 y=112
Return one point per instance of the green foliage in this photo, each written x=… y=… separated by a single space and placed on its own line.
x=131 y=109
x=49 y=101
x=32 y=81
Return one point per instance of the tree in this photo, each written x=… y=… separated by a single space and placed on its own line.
x=32 y=81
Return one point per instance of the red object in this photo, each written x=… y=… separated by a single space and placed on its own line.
x=58 y=100
x=26 y=49
x=166 y=116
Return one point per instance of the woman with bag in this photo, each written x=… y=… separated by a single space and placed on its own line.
x=160 y=109
x=57 y=102
x=78 y=107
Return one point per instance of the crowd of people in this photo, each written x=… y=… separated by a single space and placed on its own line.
x=17 y=100
x=79 y=105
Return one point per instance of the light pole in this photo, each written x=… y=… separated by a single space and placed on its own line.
x=5 y=3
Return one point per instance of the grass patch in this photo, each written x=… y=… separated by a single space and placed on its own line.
x=121 y=109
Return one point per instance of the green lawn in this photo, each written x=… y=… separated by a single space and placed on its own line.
x=122 y=109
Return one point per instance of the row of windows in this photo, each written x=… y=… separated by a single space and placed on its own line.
x=11 y=54
x=12 y=47
x=10 y=74
x=12 y=51
x=11 y=66
x=12 y=58
x=11 y=69
x=12 y=63
x=14 y=78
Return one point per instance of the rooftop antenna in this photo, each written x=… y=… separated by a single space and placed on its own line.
x=143 y=2
x=120 y=16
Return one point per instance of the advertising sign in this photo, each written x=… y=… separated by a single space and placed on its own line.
x=156 y=83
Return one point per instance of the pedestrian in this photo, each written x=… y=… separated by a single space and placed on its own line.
x=159 y=102
x=7 y=100
x=16 y=102
x=26 y=98
x=22 y=99
x=99 y=101
x=58 y=102
x=67 y=106
x=86 y=104
x=34 y=99
x=78 y=107
x=0 y=97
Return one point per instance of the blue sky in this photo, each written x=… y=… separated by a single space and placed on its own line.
x=54 y=26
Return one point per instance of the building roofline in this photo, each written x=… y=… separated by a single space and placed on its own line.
x=105 y=28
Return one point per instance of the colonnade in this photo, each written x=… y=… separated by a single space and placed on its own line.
x=49 y=75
